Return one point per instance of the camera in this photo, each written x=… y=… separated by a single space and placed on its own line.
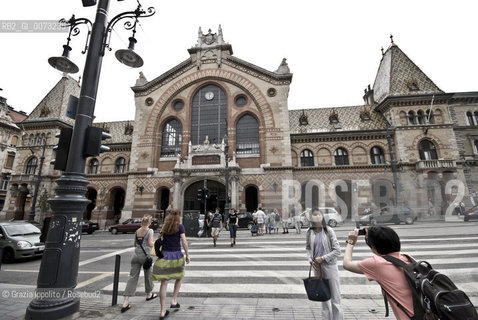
x=361 y=232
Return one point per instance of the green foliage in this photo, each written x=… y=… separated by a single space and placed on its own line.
x=43 y=201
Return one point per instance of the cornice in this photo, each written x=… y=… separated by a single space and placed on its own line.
x=338 y=136
x=263 y=74
x=412 y=100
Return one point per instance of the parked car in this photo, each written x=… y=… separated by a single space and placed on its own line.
x=471 y=214
x=131 y=225
x=245 y=220
x=388 y=214
x=88 y=226
x=19 y=240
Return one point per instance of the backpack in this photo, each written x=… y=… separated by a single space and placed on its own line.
x=277 y=217
x=435 y=296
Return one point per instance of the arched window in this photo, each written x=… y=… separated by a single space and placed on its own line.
x=476 y=146
x=306 y=158
x=341 y=157
x=10 y=159
x=31 y=140
x=32 y=166
x=377 y=155
x=420 y=117
x=120 y=165
x=209 y=112
x=14 y=141
x=430 y=117
x=411 y=117
x=247 y=135
x=171 y=139
x=469 y=116
x=427 y=150
x=93 y=166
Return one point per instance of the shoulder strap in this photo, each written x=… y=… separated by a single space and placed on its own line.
x=141 y=244
x=398 y=262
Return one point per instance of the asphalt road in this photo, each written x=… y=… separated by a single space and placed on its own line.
x=98 y=251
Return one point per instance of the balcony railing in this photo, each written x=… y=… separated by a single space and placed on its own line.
x=435 y=164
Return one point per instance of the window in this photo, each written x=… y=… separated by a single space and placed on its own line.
x=247 y=135
x=4 y=184
x=178 y=105
x=476 y=117
x=420 y=117
x=430 y=117
x=427 y=150
x=32 y=166
x=93 y=166
x=341 y=157
x=31 y=140
x=209 y=112
x=171 y=139
x=14 y=141
x=476 y=146
x=411 y=117
x=240 y=100
x=469 y=116
x=120 y=165
x=306 y=158
x=9 y=162
x=377 y=156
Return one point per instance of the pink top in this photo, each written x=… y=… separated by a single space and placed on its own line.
x=392 y=280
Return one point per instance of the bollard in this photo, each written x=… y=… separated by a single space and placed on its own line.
x=116 y=280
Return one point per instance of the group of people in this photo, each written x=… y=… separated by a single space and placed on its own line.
x=169 y=267
x=323 y=250
x=271 y=221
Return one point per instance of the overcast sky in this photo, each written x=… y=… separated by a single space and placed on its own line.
x=332 y=47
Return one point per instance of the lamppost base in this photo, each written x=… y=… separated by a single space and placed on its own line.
x=53 y=309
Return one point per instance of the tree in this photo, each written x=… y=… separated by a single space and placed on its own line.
x=43 y=203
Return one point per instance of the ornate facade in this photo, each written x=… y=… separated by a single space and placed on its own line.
x=410 y=142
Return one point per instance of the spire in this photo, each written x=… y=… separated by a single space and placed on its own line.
x=283 y=68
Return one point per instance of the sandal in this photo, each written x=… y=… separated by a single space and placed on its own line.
x=165 y=315
x=175 y=306
x=124 y=309
x=153 y=296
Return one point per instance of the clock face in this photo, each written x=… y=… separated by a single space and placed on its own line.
x=209 y=95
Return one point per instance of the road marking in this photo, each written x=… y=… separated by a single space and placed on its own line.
x=83 y=272
x=105 y=256
x=94 y=279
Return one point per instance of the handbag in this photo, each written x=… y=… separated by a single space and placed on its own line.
x=317 y=288
x=149 y=261
x=158 y=245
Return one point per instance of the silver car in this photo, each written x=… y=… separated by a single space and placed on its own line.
x=20 y=240
x=331 y=215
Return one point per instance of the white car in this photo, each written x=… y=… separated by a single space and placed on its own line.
x=331 y=215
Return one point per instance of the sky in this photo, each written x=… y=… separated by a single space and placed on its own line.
x=332 y=47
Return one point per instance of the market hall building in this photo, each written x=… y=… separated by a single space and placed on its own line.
x=409 y=142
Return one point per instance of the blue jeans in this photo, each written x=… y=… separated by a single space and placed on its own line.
x=232 y=230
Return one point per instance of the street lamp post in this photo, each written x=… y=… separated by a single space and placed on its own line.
x=226 y=156
x=58 y=272
x=31 y=216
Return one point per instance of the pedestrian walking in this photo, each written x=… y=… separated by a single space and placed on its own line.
x=208 y=223
x=322 y=251
x=382 y=241
x=276 y=221
x=216 y=224
x=297 y=223
x=260 y=216
x=143 y=238
x=233 y=223
x=171 y=265
x=285 y=221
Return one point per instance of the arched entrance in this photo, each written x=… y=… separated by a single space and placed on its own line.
x=163 y=199
x=91 y=195
x=217 y=193
x=117 y=197
x=252 y=198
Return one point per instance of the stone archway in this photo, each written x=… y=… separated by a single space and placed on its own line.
x=116 y=204
x=252 y=198
x=217 y=193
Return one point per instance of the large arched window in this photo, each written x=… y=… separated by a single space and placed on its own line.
x=32 y=166
x=430 y=117
x=93 y=166
x=427 y=150
x=376 y=155
x=469 y=117
x=209 y=112
x=341 y=157
x=247 y=135
x=171 y=139
x=120 y=165
x=306 y=158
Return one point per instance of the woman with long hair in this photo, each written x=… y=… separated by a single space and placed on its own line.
x=322 y=251
x=143 y=237
x=171 y=266
x=233 y=222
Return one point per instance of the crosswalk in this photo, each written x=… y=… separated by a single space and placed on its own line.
x=272 y=266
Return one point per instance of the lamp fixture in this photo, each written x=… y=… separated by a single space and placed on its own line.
x=128 y=56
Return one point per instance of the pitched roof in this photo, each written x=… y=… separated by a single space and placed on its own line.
x=349 y=119
x=398 y=75
x=120 y=131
